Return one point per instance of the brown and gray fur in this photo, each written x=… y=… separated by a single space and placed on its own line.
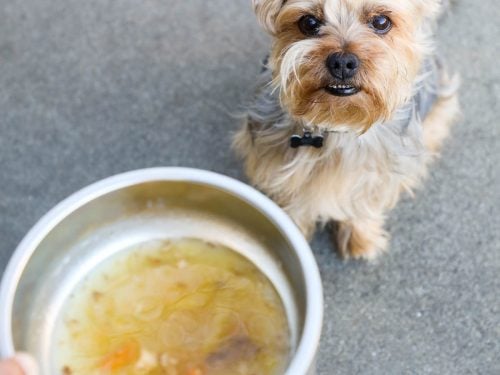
x=377 y=143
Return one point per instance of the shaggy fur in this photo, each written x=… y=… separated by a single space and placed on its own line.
x=377 y=142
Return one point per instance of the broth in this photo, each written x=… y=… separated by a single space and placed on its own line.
x=185 y=307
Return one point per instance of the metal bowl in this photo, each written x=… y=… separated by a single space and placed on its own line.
x=129 y=209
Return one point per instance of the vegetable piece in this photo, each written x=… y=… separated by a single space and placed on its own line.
x=123 y=356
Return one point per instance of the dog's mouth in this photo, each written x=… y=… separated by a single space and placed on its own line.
x=342 y=89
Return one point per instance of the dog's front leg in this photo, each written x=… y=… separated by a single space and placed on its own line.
x=360 y=238
x=304 y=221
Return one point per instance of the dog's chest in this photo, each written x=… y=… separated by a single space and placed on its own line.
x=350 y=172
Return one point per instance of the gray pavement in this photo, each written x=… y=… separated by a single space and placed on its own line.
x=93 y=88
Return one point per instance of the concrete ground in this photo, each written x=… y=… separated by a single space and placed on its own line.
x=93 y=88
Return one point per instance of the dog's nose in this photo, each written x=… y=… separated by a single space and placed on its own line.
x=342 y=65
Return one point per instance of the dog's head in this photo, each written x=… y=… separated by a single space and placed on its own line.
x=346 y=62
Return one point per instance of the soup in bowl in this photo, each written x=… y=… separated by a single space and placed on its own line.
x=164 y=270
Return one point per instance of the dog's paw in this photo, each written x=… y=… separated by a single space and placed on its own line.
x=369 y=249
x=360 y=240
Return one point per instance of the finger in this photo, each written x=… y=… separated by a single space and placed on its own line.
x=27 y=363
x=10 y=367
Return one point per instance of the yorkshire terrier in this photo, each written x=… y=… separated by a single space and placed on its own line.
x=352 y=107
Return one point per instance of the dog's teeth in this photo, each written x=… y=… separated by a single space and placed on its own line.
x=338 y=87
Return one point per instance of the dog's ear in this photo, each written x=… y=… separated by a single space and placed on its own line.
x=431 y=9
x=266 y=11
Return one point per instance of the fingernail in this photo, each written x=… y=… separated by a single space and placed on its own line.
x=27 y=363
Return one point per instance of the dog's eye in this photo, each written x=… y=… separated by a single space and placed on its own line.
x=381 y=24
x=309 y=25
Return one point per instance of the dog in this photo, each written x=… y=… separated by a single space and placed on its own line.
x=352 y=106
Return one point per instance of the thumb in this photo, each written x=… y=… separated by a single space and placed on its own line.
x=20 y=364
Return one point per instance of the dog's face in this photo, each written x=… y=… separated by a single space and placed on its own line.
x=343 y=63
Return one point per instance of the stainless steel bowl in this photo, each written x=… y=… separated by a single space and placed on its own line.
x=155 y=204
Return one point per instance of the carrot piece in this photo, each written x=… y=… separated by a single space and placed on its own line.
x=194 y=371
x=124 y=355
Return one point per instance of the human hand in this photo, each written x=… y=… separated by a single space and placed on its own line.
x=20 y=364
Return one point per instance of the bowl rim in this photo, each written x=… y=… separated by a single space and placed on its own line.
x=305 y=353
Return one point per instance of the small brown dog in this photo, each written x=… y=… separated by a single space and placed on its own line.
x=352 y=107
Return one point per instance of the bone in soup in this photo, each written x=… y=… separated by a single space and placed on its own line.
x=185 y=307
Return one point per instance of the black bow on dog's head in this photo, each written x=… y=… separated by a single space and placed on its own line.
x=306 y=140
